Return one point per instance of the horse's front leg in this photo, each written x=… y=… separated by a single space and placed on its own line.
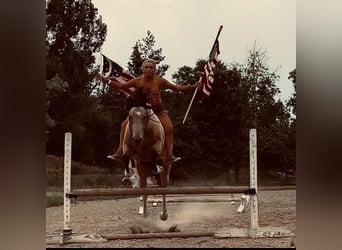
x=163 y=214
x=144 y=206
x=164 y=178
x=143 y=184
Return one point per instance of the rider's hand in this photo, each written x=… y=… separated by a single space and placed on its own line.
x=196 y=85
x=103 y=78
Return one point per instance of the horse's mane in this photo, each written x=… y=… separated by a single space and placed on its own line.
x=137 y=99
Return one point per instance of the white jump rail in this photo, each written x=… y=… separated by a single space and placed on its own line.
x=254 y=231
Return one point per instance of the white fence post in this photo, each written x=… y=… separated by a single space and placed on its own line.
x=67 y=186
x=253 y=181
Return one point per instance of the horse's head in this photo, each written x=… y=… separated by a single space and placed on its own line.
x=138 y=118
x=138 y=115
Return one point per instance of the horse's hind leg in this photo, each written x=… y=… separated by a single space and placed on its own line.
x=164 y=179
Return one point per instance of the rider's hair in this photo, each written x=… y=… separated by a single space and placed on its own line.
x=149 y=60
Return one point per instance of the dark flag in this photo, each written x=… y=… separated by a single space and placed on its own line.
x=207 y=76
x=116 y=73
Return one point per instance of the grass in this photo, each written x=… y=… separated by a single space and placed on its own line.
x=54 y=188
x=83 y=176
x=54 y=200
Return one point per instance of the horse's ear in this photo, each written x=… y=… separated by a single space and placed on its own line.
x=141 y=97
x=139 y=93
x=138 y=98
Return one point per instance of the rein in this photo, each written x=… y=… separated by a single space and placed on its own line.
x=147 y=106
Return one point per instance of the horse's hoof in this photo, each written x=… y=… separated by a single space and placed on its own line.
x=163 y=216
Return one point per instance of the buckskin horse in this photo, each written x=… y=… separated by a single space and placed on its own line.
x=144 y=143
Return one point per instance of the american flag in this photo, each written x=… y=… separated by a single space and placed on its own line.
x=116 y=73
x=207 y=77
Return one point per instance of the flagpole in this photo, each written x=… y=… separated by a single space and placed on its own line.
x=192 y=99
x=195 y=92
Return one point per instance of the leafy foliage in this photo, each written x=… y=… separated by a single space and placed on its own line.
x=292 y=101
x=145 y=49
x=74 y=32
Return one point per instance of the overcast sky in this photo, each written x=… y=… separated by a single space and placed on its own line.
x=186 y=29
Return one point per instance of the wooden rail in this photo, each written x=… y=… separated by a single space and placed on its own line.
x=172 y=190
x=159 y=235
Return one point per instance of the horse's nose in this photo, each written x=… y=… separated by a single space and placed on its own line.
x=137 y=141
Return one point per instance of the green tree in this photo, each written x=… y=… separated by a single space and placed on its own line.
x=215 y=122
x=291 y=143
x=74 y=32
x=267 y=114
x=184 y=134
x=292 y=101
x=144 y=49
x=136 y=60
x=54 y=88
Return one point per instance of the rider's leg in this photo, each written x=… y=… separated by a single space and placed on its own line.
x=168 y=127
x=118 y=154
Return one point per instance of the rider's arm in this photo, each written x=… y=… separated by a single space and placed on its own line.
x=175 y=87
x=119 y=86
x=122 y=86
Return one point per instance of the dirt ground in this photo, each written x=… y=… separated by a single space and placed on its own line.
x=108 y=217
